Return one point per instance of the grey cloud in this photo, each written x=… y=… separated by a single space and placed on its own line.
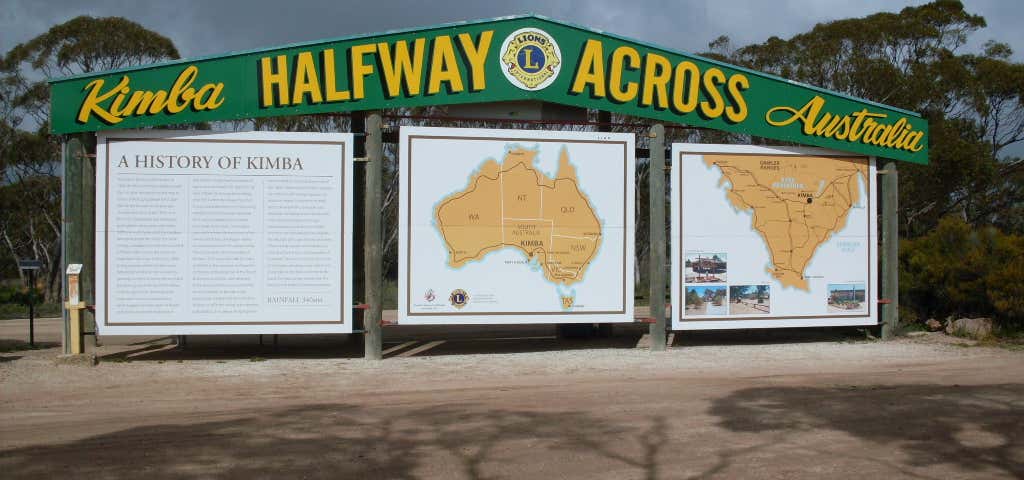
x=202 y=28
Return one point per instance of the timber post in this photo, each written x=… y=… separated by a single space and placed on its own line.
x=72 y=248
x=88 y=232
x=373 y=253
x=656 y=179
x=890 y=250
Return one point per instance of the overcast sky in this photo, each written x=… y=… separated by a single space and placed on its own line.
x=209 y=27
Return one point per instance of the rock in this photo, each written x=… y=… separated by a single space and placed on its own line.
x=933 y=325
x=82 y=359
x=976 y=328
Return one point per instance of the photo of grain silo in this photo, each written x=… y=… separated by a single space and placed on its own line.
x=705 y=268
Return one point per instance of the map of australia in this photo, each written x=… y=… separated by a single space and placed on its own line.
x=511 y=204
x=797 y=203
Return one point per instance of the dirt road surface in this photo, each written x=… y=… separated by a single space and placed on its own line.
x=515 y=402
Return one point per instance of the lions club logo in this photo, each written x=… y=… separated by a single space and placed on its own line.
x=530 y=58
x=458 y=298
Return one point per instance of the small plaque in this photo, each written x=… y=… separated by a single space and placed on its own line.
x=30 y=264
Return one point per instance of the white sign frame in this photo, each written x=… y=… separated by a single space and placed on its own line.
x=328 y=162
x=684 y=152
x=624 y=147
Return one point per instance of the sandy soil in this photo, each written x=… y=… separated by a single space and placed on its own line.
x=517 y=402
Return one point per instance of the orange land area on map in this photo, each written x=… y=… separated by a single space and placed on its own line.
x=798 y=203
x=513 y=205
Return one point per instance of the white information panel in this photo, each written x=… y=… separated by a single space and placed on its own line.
x=768 y=237
x=223 y=233
x=515 y=226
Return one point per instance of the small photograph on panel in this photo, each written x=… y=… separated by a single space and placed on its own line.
x=750 y=299
x=706 y=268
x=846 y=297
x=706 y=301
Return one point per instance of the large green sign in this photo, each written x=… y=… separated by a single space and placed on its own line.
x=490 y=61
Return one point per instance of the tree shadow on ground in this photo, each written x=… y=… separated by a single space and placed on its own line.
x=973 y=427
x=10 y=345
x=344 y=441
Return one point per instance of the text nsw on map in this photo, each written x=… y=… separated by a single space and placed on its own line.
x=797 y=203
x=512 y=204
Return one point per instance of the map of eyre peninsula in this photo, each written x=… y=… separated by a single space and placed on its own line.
x=513 y=205
x=798 y=203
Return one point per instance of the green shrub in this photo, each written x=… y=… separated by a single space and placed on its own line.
x=962 y=270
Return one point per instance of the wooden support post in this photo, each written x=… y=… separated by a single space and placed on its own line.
x=71 y=233
x=32 y=308
x=76 y=346
x=656 y=179
x=88 y=233
x=373 y=238
x=890 y=250
x=357 y=125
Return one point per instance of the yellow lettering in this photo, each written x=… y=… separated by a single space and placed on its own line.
x=591 y=70
x=477 y=56
x=401 y=68
x=360 y=70
x=859 y=126
x=805 y=114
x=307 y=82
x=714 y=105
x=115 y=107
x=211 y=93
x=182 y=90
x=733 y=89
x=331 y=92
x=144 y=102
x=443 y=67
x=274 y=78
x=686 y=87
x=657 y=73
x=92 y=101
x=622 y=58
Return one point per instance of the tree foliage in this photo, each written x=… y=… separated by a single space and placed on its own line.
x=961 y=270
x=30 y=191
x=974 y=103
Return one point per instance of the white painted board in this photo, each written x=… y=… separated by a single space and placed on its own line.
x=223 y=233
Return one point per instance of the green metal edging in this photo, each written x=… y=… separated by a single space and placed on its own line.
x=548 y=61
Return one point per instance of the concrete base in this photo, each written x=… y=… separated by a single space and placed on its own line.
x=81 y=359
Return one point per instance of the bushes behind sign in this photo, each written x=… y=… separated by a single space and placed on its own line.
x=961 y=270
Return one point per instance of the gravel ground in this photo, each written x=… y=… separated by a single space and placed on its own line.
x=518 y=403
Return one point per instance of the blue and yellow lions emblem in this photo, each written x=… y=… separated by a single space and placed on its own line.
x=530 y=58
x=459 y=298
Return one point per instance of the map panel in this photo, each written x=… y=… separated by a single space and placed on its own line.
x=506 y=226
x=768 y=231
